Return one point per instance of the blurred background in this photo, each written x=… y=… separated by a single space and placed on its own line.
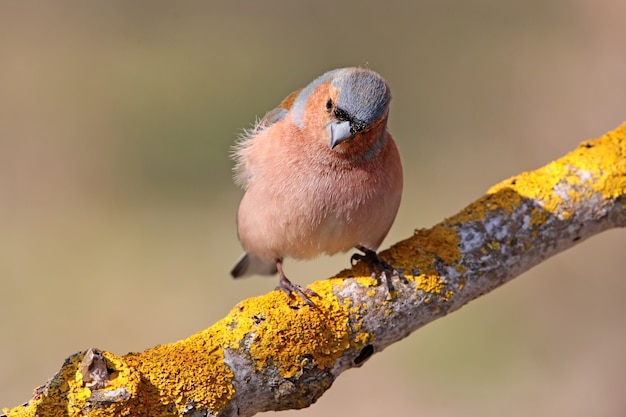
x=117 y=209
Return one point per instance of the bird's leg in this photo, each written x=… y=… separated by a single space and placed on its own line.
x=378 y=266
x=289 y=288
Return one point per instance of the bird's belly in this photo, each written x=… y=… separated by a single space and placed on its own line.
x=282 y=220
x=342 y=227
x=333 y=235
x=296 y=229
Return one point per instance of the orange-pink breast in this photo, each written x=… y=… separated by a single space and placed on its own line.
x=303 y=199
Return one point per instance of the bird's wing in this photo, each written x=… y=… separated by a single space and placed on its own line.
x=276 y=114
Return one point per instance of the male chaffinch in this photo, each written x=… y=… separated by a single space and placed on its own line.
x=321 y=174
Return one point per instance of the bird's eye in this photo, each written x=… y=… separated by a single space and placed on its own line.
x=329 y=104
x=342 y=115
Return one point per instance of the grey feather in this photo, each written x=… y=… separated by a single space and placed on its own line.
x=364 y=95
x=250 y=265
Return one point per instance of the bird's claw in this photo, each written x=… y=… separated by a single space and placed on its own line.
x=379 y=267
x=356 y=257
x=289 y=288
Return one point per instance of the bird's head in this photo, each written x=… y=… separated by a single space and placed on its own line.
x=346 y=103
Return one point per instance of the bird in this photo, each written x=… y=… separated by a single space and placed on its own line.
x=321 y=175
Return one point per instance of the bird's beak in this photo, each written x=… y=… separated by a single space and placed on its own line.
x=338 y=132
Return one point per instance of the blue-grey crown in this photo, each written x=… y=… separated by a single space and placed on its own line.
x=363 y=94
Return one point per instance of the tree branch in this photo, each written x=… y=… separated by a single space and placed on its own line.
x=274 y=354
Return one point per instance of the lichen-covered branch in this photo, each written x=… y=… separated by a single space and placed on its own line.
x=271 y=353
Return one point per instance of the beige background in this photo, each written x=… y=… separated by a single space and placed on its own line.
x=117 y=208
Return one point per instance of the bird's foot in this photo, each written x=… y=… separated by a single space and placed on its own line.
x=290 y=288
x=381 y=270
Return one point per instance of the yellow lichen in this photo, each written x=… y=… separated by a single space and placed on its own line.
x=461 y=282
x=538 y=217
x=605 y=158
x=602 y=162
x=538 y=185
x=494 y=245
x=65 y=395
x=284 y=335
x=432 y=284
x=574 y=195
x=362 y=339
x=29 y=410
x=192 y=370
x=505 y=200
x=489 y=247
x=447 y=296
x=418 y=253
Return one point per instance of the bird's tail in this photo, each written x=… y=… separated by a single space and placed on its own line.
x=251 y=265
